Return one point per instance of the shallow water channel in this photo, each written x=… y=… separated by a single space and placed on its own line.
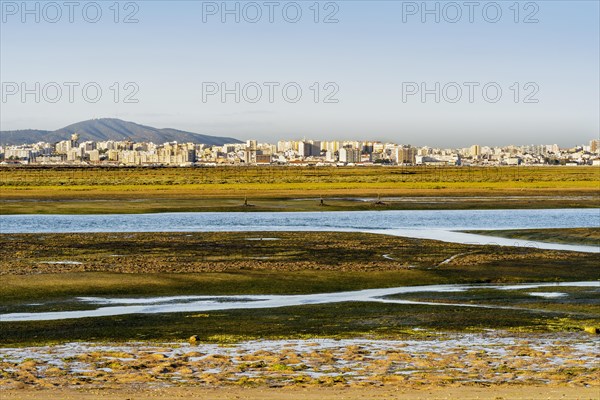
x=441 y=225
x=152 y=305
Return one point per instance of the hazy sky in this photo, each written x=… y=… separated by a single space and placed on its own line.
x=378 y=57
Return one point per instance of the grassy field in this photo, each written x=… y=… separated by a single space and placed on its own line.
x=137 y=190
x=160 y=264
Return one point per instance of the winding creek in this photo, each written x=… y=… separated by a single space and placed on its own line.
x=173 y=304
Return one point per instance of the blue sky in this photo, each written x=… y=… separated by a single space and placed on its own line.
x=370 y=55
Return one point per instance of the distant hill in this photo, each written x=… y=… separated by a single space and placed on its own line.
x=22 y=136
x=110 y=129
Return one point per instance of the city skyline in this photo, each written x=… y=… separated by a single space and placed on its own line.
x=74 y=151
x=375 y=138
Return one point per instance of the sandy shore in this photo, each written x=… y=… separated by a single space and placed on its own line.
x=446 y=393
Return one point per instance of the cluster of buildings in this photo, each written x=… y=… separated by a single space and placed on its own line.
x=293 y=152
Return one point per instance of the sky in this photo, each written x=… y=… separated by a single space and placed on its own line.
x=489 y=73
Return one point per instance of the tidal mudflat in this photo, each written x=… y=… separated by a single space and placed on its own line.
x=152 y=286
x=294 y=310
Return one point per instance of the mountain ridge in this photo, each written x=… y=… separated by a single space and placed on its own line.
x=103 y=129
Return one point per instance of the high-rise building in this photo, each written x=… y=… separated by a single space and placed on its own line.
x=251 y=144
x=405 y=155
x=303 y=149
x=74 y=139
x=94 y=155
x=250 y=156
x=63 y=147
x=315 y=149
x=349 y=155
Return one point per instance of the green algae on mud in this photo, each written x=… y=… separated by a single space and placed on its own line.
x=341 y=320
x=244 y=252
x=583 y=302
